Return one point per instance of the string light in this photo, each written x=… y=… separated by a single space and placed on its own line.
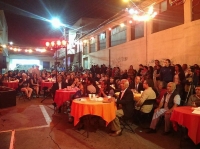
x=56 y=45
x=14 y=48
x=136 y=13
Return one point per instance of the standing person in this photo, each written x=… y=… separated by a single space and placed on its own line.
x=124 y=75
x=185 y=68
x=31 y=69
x=125 y=107
x=157 y=62
x=170 y=100
x=131 y=72
x=149 y=74
x=167 y=72
x=179 y=79
x=156 y=76
x=140 y=70
x=24 y=86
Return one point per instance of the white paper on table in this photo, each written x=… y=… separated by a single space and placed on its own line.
x=99 y=99
x=80 y=99
x=196 y=111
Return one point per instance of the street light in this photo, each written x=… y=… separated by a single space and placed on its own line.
x=57 y=24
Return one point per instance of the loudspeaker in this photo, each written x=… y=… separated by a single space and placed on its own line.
x=2 y=62
x=7 y=98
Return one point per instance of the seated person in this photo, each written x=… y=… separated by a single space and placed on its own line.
x=34 y=83
x=5 y=77
x=170 y=100
x=76 y=82
x=117 y=85
x=44 y=77
x=126 y=107
x=161 y=91
x=147 y=94
x=194 y=100
x=137 y=85
x=11 y=76
x=90 y=88
x=24 y=86
x=60 y=84
x=105 y=90
x=19 y=76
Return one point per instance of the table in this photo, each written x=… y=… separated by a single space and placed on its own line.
x=11 y=84
x=87 y=107
x=184 y=116
x=63 y=95
x=137 y=96
x=46 y=84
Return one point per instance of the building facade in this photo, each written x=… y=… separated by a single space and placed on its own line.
x=173 y=34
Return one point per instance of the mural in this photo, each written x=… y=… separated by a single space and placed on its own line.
x=118 y=61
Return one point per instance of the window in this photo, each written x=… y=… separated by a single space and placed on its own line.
x=195 y=10
x=137 y=30
x=102 y=41
x=118 y=35
x=92 y=44
x=85 y=48
x=168 y=16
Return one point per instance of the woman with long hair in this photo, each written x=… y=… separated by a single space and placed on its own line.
x=34 y=83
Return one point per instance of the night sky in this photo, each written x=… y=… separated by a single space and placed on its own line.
x=26 y=18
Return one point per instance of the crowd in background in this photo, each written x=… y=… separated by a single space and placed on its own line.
x=171 y=86
x=183 y=76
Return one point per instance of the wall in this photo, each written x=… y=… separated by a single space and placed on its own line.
x=180 y=44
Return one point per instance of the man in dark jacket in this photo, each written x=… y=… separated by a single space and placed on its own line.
x=60 y=84
x=125 y=104
x=167 y=72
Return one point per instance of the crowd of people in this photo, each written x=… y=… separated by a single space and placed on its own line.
x=171 y=86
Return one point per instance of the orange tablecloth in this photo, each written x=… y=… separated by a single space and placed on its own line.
x=185 y=117
x=46 y=84
x=105 y=110
x=63 y=95
x=13 y=85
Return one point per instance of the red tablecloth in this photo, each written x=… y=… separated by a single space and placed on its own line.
x=46 y=84
x=63 y=95
x=105 y=110
x=13 y=85
x=185 y=117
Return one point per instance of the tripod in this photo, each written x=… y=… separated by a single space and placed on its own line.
x=190 y=90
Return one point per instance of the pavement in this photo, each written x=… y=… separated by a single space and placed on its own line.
x=34 y=125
